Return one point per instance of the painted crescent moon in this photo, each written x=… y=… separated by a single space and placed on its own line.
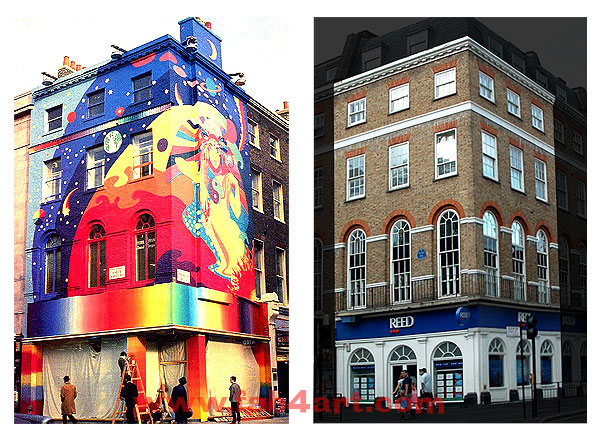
x=213 y=56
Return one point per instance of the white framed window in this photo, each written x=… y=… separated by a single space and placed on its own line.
x=355 y=177
x=516 y=168
x=400 y=262
x=523 y=362
x=559 y=131
x=563 y=271
x=399 y=98
x=280 y=275
x=541 y=190
x=318 y=275
x=490 y=255
x=542 y=266
x=582 y=271
x=257 y=200
x=518 y=260
x=95 y=167
x=445 y=83
x=448 y=254
x=445 y=154
x=398 y=160
x=318 y=187
x=357 y=112
x=142 y=157
x=142 y=87
x=52 y=179
x=514 y=103
x=486 y=86
x=278 y=201
x=274 y=147
x=489 y=155
x=537 y=117
x=357 y=269
x=54 y=118
x=253 y=134
x=581 y=199
x=496 y=363
x=319 y=125
x=96 y=103
x=562 y=196
x=259 y=265
x=362 y=376
x=577 y=142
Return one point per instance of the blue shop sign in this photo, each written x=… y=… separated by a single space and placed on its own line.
x=441 y=320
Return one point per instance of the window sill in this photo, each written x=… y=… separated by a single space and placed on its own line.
x=487 y=99
x=356 y=198
x=91 y=118
x=279 y=220
x=515 y=115
x=444 y=96
x=276 y=159
x=356 y=124
x=259 y=210
x=320 y=207
x=565 y=209
x=450 y=175
x=93 y=190
x=53 y=131
x=143 y=178
x=51 y=201
x=581 y=217
x=539 y=130
x=542 y=200
x=518 y=191
x=398 y=111
x=494 y=180
x=254 y=145
x=398 y=188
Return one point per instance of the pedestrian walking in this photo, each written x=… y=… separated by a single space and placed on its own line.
x=426 y=387
x=68 y=393
x=129 y=392
x=235 y=396
x=180 y=402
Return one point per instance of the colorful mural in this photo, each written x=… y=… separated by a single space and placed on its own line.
x=194 y=181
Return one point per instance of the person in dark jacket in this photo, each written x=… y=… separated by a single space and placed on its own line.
x=129 y=392
x=122 y=362
x=235 y=396
x=179 y=402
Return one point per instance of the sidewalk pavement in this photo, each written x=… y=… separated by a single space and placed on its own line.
x=511 y=412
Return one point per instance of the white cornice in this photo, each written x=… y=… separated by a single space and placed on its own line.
x=421 y=229
x=442 y=113
x=376 y=238
x=434 y=54
x=505 y=230
x=471 y=220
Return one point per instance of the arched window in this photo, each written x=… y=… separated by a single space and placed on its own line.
x=567 y=361
x=447 y=350
x=523 y=366
x=582 y=272
x=53 y=267
x=583 y=361
x=563 y=271
x=357 y=269
x=518 y=260
x=362 y=376
x=542 y=265
x=448 y=254
x=490 y=254
x=400 y=262
x=145 y=247
x=318 y=274
x=496 y=363
x=402 y=353
x=546 y=353
x=97 y=256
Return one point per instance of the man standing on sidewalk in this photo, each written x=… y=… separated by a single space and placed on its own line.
x=426 y=388
x=68 y=393
x=235 y=392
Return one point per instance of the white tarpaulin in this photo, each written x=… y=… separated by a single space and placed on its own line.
x=96 y=375
x=224 y=360
x=172 y=355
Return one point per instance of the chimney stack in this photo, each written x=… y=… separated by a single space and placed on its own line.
x=67 y=68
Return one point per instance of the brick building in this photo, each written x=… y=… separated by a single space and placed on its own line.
x=435 y=161
x=139 y=231
x=269 y=161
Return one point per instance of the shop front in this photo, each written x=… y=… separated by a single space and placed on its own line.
x=466 y=350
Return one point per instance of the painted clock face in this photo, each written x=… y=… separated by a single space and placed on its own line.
x=112 y=141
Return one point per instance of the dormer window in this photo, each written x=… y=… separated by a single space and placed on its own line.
x=416 y=42
x=371 y=58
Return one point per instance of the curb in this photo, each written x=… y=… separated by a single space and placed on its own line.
x=563 y=415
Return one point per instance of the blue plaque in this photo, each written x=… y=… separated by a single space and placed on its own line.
x=421 y=254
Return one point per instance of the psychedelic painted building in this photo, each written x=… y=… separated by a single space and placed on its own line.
x=139 y=231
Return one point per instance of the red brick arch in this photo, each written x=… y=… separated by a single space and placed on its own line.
x=568 y=239
x=445 y=205
x=544 y=226
x=517 y=215
x=393 y=217
x=353 y=225
x=495 y=209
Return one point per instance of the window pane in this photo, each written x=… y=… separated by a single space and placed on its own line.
x=140 y=246
x=93 y=264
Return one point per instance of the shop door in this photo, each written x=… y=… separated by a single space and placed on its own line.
x=448 y=380
x=397 y=369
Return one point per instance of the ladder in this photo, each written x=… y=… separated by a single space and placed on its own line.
x=131 y=368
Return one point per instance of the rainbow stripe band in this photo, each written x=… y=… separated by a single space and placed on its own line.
x=159 y=305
